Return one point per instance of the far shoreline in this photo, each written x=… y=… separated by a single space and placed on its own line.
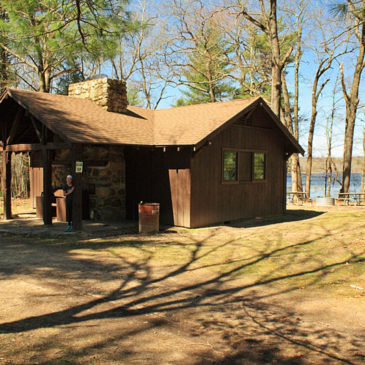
x=318 y=164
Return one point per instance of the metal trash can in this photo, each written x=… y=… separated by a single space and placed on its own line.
x=325 y=202
x=149 y=217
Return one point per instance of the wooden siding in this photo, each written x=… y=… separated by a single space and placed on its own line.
x=161 y=177
x=214 y=201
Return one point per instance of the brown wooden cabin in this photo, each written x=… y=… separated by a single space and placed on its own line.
x=204 y=164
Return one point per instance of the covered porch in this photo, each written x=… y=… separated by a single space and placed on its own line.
x=23 y=132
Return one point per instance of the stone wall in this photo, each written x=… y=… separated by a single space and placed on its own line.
x=103 y=179
x=107 y=93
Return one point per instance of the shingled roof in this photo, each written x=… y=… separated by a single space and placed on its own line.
x=81 y=121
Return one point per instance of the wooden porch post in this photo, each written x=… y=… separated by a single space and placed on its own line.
x=286 y=157
x=47 y=186
x=6 y=183
x=77 y=182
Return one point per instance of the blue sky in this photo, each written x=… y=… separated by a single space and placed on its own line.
x=307 y=71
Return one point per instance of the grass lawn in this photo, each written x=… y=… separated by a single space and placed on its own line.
x=287 y=290
x=327 y=251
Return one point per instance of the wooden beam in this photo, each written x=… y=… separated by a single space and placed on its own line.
x=6 y=184
x=24 y=132
x=39 y=134
x=47 y=187
x=14 y=128
x=77 y=182
x=27 y=147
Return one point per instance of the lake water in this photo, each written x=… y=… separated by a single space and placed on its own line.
x=317 y=185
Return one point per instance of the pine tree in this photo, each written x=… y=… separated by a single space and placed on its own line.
x=45 y=35
x=207 y=72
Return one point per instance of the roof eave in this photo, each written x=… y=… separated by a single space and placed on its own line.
x=14 y=97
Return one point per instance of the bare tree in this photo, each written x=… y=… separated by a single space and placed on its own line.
x=326 y=48
x=363 y=164
x=250 y=54
x=292 y=119
x=329 y=163
x=198 y=51
x=140 y=58
x=267 y=22
x=355 y=14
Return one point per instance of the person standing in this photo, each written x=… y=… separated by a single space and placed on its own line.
x=68 y=190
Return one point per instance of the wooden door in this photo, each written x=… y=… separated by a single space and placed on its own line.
x=36 y=183
x=180 y=196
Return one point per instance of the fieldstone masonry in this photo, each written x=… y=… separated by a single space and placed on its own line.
x=107 y=93
x=105 y=184
x=105 y=179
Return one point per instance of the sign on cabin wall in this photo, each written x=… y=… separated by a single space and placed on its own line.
x=79 y=167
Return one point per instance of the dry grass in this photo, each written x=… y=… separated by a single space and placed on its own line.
x=18 y=205
x=326 y=252
x=269 y=291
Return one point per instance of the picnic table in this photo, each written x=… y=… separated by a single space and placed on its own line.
x=300 y=195
x=347 y=198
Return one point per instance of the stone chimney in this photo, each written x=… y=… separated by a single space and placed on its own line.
x=107 y=93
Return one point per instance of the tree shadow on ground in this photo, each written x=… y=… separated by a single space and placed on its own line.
x=232 y=311
x=292 y=215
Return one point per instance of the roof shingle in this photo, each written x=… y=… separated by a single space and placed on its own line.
x=81 y=121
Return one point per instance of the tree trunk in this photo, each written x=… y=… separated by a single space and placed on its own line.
x=3 y=70
x=276 y=90
x=44 y=82
x=329 y=133
x=348 y=144
x=296 y=182
x=294 y=175
x=276 y=64
x=299 y=174
x=6 y=183
x=363 y=166
x=310 y=152
x=352 y=101
x=270 y=28
x=4 y=62
x=212 y=94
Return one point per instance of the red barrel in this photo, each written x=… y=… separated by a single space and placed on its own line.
x=149 y=217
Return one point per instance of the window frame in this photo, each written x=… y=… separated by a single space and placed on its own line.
x=253 y=167
x=238 y=180
x=224 y=150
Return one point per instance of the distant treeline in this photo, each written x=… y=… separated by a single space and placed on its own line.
x=319 y=164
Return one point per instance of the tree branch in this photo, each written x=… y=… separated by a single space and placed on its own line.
x=34 y=67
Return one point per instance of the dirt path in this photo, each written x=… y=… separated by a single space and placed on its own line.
x=64 y=304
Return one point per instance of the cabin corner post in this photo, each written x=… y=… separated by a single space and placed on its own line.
x=77 y=152
x=6 y=183
x=47 y=186
x=285 y=177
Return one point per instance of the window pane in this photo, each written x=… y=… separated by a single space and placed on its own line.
x=230 y=166
x=259 y=166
